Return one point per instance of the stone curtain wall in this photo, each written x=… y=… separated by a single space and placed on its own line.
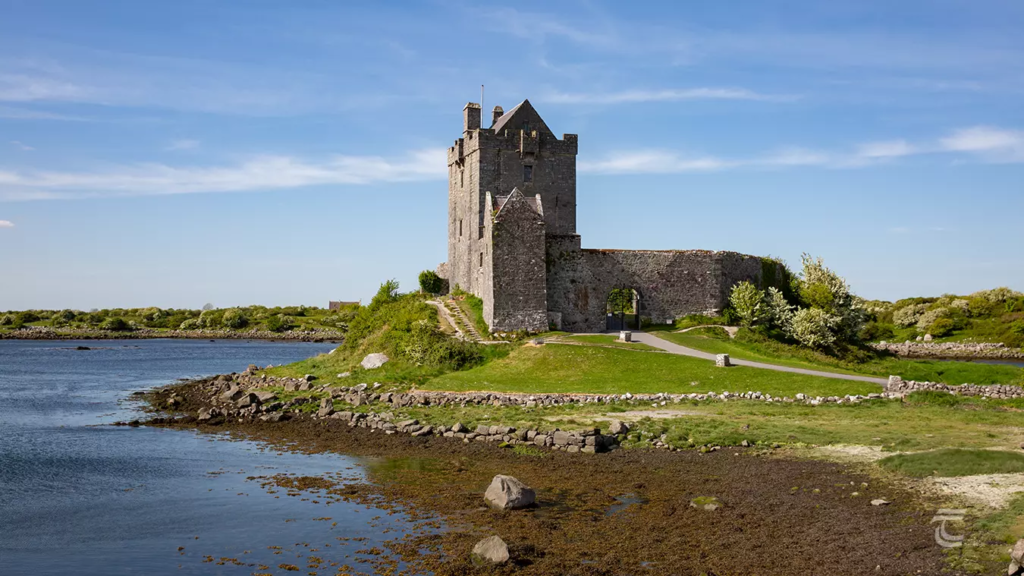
x=671 y=284
x=518 y=276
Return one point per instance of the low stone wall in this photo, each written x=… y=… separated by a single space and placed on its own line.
x=897 y=385
x=966 y=350
x=43 y=333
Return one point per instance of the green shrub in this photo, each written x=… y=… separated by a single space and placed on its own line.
x=116 y=324
x=235 y=319
x=66 y=315
x=431 y=283
x=190 y=324
x=942 y=327
x=211 y=318
x=278 y=323
x=873 y=331
x=6 y=320
x=814 y=328
x=1017 y=327
x=26 y=317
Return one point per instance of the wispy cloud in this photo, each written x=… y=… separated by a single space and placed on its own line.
x=666 y=95
x=886 y=149
x=995 y=144
x=184 y=144
x=6 y=224
x=17 y=113
x=260 y=173
x=984 y=144
x=24 y=147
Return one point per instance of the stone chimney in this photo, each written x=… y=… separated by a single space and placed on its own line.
x=471 y=116
x=497 y=113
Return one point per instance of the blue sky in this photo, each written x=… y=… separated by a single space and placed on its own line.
x=274 y=152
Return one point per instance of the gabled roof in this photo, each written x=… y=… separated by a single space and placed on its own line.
x=523 y=112
x=516 y=196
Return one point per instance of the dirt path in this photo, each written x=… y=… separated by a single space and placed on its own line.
x=652 y=340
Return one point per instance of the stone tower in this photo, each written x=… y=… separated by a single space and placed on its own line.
x=517 y=153
x=512 y=238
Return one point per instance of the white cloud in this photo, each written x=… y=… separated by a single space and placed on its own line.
x=15 y=113
x=886 y=149
x=184 y=144
x=650 y=162
x=6 y=224
x=996 y=144
x=667 y=95
x=260 y=173
x=24 y=147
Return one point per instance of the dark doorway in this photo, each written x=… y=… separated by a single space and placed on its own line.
x=623 y=310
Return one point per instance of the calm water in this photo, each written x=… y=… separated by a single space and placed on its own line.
x=80 y=497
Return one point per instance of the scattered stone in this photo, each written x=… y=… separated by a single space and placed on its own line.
x=617 y=427
x=625 y=336
x=709 y=503
x=374 y=361
x=507 y=493
x=247 y=400
x=232 y=394
x=309 y=377
x=491 y=551
x=722 y=361
x=928 y=338
x=880 y=502
x=326 y=408
x=265 y=396
x=344 y=375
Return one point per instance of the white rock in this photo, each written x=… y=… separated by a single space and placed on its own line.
x=507 y=493
x=880 y=502
x=491 y=550
x=374 y=361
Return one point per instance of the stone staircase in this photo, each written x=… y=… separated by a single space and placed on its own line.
x=467 y=328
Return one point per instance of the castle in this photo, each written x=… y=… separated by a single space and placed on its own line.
x=512 y=238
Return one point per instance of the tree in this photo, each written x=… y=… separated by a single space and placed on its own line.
x=748 y=302
x=778 y=311
x=814 y=327
x=824 y=290
x=621 y=300
x=431 y=283
x=207 y=306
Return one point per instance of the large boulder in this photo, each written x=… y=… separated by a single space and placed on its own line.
x=490 y=551
x=374 y=361
x=1016 y=558
x=507 y=493
x=231 y=394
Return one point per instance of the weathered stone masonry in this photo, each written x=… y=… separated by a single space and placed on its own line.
x=512 y=237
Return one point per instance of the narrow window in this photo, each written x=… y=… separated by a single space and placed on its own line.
x=481 y=259
x=460 y=228
x=527 y=173
x=462 y=177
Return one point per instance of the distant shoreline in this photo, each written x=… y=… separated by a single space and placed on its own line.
x=37 y=333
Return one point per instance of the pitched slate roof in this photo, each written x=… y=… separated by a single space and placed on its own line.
x=531 y=201
x=526 y=112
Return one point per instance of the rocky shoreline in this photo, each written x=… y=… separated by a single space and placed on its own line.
x=43 y=333
x=617 y=512
x=952 y=350
x=253 y=397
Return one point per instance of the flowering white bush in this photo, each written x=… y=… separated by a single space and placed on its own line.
x=814 y=327
x=928 y=318
x=748 y=302
x=961 y=305
x=824 y=289
x=997 y=295
x=909 y=315
x=778 y=311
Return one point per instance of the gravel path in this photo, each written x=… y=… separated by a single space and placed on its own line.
x=652 y=340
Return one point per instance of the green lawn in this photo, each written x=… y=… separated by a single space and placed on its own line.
x=919 y=370
x=585 y=369
x=955 y=462
x=610 y=340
